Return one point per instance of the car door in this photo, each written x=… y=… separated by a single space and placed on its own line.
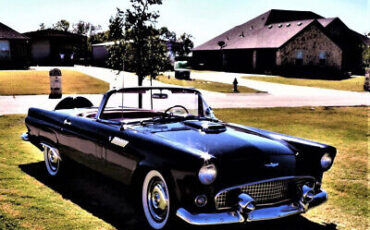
x=120 y=158
x=81 y=141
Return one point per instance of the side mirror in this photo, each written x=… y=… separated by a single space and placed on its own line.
x=209 y=113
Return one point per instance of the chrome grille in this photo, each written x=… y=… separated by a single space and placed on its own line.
x=263 y=192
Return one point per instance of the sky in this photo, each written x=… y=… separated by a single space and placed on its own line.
x=203 y=19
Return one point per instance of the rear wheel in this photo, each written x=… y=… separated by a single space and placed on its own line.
x=156 y=200
x=52 y=160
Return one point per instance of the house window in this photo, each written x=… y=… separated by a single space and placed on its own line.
x=299 y=57
x=4 y=50
x=322 y=57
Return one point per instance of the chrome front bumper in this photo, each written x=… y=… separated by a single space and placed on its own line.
x=241 y=215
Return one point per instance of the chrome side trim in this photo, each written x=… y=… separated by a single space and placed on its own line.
x=232 y=217
x=25 y=137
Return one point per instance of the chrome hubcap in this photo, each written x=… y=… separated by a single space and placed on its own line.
x=157 y=199
x=52 y=159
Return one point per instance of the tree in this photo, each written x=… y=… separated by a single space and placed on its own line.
x=42 y=26
x=141 y=48
x=99 y=37
x=140 y=31
x=116 y=25
x=117 y=54
x=186 y=45
x=85 y=28
x=62 y=25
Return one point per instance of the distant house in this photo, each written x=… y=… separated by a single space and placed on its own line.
x=54 y=47
x=100 y=53
x=13 y=48
x=284 y=41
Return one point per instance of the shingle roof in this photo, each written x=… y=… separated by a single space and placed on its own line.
x=268 y=30
x=8 y=33
x=51 y=33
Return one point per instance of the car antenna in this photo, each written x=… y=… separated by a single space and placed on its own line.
x=123 y=84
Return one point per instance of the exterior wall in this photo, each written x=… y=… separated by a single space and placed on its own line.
x=238 y=60
x=311 y=42
x=57 y=49
x=14 y=54
x=100 y=55
x=40 y=50
x=351 y=44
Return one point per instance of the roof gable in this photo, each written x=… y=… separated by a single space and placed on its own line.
x=8 y=33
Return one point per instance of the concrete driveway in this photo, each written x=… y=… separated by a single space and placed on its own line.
x=278 y=95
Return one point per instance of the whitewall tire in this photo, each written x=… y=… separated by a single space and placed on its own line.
x=155 y=200
x=52 y=160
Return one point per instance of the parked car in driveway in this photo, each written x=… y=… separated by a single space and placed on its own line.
x=187 y=164
x=182 y=70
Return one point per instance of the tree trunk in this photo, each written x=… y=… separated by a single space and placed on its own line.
x=140 y=83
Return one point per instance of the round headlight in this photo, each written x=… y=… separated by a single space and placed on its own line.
x=207 y=174
x=326 y=161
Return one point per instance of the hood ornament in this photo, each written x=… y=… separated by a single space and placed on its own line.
x=272 y=165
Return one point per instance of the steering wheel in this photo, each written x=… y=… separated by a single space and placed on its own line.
x=176 y=106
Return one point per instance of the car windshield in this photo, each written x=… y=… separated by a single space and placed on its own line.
x=124 y=104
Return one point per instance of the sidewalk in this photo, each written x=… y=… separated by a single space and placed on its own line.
x=278 y=95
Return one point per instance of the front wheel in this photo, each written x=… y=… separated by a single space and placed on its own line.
x=156 y=200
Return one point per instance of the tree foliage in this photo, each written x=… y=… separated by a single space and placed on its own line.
x=42 y=26
x=366 y=55
x=141 y=47
x=366 y=52
x=186 y=45
x=116 y=25
x=85 y=28
x=62 y=25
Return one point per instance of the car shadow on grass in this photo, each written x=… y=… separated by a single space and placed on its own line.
x=113 y=202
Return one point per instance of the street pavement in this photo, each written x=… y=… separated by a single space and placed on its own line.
x=278 y=95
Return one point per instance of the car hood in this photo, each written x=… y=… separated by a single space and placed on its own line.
x=220 y=141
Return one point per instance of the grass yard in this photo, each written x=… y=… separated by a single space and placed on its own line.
x=206 y=85
x=351 y=84
x=28 y=200
x=345 y=128
x=29 y=82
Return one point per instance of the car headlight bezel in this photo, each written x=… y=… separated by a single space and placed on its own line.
x=207 y=174
x=326 y=161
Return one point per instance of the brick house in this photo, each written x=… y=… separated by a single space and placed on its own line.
x=13 y=48
x=285 y=42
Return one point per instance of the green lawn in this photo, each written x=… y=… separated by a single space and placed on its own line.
x=29 y=201
x=345 y=128
x=37 y=82
x=351 y=84
x=206 y=85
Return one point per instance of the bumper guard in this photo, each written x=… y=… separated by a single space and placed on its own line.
x=243 y=214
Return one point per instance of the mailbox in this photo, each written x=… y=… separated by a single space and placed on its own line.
x=55 y=83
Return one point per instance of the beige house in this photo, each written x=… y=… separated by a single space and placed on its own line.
x=284 y=41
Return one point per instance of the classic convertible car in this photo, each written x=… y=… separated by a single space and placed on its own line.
x=186 y=163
